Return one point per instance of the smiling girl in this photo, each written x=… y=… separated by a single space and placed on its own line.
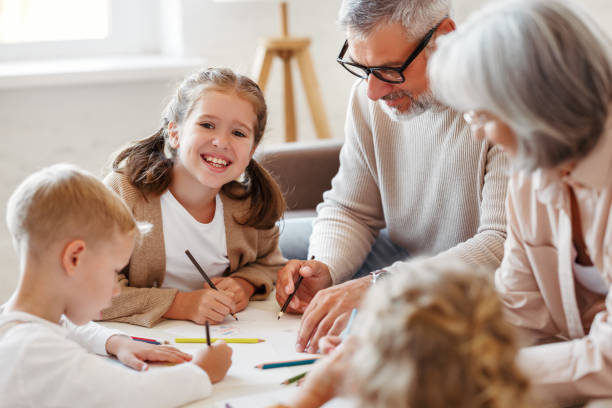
x=196 y=182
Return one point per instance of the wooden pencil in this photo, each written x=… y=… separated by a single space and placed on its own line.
x=213 y=339
x=290 y=363
x=294 y=378
x=207 y=334
x=204 y=275
x=290 y=297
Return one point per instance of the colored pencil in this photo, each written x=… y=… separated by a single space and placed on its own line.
x=294 y=378
x=290 y=297
x=204 y=275
x=207 y=334
x=145 y=340
x=291 y=363
x=347 y=330
x=213 y=339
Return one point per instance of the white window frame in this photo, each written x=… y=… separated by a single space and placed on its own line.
x=134 y=29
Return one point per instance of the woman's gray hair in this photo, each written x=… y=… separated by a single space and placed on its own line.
x=541 y=66
x=416 y=16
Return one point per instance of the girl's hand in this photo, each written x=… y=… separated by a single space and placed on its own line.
x=215 y=360
x=202 y=305
x=134 y=353
x=242 y=290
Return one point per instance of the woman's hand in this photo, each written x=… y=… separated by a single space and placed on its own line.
x=202 y=305
x=134 y=353
x=215 y=360
x=242 y=290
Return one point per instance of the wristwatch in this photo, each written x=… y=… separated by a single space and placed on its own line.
x=378 y=275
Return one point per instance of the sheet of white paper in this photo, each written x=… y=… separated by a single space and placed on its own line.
x=258 y=320
x=260 y=400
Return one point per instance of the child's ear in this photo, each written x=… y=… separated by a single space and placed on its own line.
x=173 y=135
x=72 y=256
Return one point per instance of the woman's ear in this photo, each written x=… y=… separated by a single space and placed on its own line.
x=446 y=26
x=173 y=135
x=72 y=256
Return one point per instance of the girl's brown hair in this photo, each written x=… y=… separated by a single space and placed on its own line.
x=436 y=337
x=148 y=162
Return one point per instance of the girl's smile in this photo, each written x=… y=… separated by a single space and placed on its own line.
x=217 y=163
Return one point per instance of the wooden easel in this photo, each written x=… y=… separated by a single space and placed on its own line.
x=286 y=48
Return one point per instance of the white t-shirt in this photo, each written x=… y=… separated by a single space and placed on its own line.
x=206 y=242
x=53 y=365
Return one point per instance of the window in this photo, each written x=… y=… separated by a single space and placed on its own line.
x=44 y=29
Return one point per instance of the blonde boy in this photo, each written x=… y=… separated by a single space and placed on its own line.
x=72 y=236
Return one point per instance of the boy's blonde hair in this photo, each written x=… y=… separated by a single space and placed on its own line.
x=436 y=337
x=64 y=202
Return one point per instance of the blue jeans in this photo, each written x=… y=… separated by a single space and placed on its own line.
x=295 y=236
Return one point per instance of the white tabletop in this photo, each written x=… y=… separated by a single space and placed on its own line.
x=244 y=384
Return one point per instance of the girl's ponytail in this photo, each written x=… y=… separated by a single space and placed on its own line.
x=146 y=164
x=267 y=201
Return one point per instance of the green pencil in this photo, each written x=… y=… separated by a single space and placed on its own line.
x=295 y=378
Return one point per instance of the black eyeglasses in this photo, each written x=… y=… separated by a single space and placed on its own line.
x=386 y=74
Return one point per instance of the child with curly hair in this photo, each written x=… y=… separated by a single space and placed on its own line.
x=434 y=336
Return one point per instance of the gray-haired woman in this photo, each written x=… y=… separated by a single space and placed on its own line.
x=536 y=78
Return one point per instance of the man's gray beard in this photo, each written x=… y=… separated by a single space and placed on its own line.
x=418 y=105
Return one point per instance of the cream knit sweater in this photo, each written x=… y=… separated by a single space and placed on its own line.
x=427 y=180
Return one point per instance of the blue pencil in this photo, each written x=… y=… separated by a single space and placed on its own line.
x=347 y=330
x=291 y=363
x=150 y=341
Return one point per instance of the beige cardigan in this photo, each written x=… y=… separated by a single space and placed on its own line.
x=254 y=255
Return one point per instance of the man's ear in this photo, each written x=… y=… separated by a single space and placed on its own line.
x=173 y=135
x=72 y=256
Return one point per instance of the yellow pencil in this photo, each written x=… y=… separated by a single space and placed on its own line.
x=227 y=340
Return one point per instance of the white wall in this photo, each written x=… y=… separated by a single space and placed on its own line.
x=84 y=124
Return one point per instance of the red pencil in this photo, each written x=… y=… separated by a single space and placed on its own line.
x=151 y=341
x=143 y=339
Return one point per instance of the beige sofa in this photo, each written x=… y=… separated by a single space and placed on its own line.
x=303 y=170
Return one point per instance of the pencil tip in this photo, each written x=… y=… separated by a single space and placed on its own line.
x=279 y=315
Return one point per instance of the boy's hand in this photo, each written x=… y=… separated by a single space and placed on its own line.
x=201 y=305
x=215 y=360
x=134 y=353
x=242 y=290
x=325 y=380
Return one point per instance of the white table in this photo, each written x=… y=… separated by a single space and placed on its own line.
x=258 y=320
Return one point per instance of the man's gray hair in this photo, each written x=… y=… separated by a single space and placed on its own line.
x=416 y=16
x=543 y=67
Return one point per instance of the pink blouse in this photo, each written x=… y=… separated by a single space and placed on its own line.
x=536 y=280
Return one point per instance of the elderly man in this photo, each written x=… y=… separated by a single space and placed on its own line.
x=408 y=165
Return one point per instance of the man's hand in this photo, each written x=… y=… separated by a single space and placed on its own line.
x=316 y=277
x=134 y=353
x=328 y=312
